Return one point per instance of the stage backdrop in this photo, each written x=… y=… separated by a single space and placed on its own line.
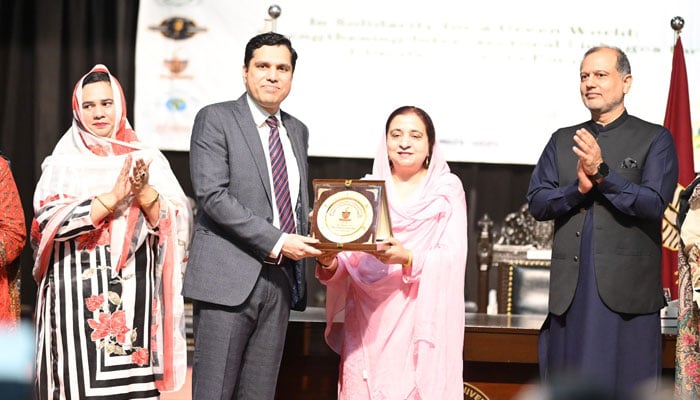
x=498 y=77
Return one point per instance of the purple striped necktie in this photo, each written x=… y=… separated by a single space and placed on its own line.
x=279 y=177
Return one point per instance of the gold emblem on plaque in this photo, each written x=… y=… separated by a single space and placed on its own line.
x=350 y=214
x=346 y=215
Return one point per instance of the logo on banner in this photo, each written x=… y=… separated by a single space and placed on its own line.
x=176 y=65
x=177 y=28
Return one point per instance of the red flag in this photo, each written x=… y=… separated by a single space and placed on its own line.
x=677 y=120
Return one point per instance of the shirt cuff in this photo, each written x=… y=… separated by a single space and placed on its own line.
x=275 y=252
x=572 y=195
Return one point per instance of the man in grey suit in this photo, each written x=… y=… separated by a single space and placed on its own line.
x=245 y=269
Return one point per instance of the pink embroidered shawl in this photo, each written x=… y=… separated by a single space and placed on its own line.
x=84 y=165
x=402 y=335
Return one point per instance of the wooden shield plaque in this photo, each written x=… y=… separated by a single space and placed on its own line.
x=350 y=214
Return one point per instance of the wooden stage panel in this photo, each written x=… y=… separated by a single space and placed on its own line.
x=500 y=354
x=309 y=369
x=522 y=348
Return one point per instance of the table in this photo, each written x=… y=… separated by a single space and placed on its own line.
x=500 y=357
x=500 y=353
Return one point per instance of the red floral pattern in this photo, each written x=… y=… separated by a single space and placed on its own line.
x=110 y=330
x=687 y=380
x=109 y=325
x=94 y=303
x=140 y=357
x=687 y=361
x=96 y=237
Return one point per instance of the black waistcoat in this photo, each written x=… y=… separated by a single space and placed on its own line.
x=627 y=250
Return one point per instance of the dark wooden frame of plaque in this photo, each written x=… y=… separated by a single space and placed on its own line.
x=381 y=222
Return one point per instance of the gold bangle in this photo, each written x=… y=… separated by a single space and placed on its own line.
x=103 y=204
x=409 y=263
x=150 y=203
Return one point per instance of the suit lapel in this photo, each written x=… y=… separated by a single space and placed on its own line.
x=249 y=131
x=295 y=137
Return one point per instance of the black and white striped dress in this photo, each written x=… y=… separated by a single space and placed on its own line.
x=94 y=324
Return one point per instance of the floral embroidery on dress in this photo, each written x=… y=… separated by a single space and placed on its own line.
x=95 y=302
x=687 y=365
x=109 y=329
x=687 y=349
x=140 y=357
x=96 y=237
x=109 y=326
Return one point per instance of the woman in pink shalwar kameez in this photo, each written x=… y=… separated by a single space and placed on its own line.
x=397 y=317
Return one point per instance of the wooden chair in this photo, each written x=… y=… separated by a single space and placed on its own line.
x=519 y=250
x=523 y=287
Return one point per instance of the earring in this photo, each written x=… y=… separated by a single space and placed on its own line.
x=427 y=161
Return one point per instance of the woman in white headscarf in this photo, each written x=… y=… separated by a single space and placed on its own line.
x=110 y=234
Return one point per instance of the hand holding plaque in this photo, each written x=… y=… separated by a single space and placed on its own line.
x=350 y=214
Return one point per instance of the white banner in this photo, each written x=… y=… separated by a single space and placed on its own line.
x=497 y=77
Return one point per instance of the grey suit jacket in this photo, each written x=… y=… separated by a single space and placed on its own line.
x=233 y=230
